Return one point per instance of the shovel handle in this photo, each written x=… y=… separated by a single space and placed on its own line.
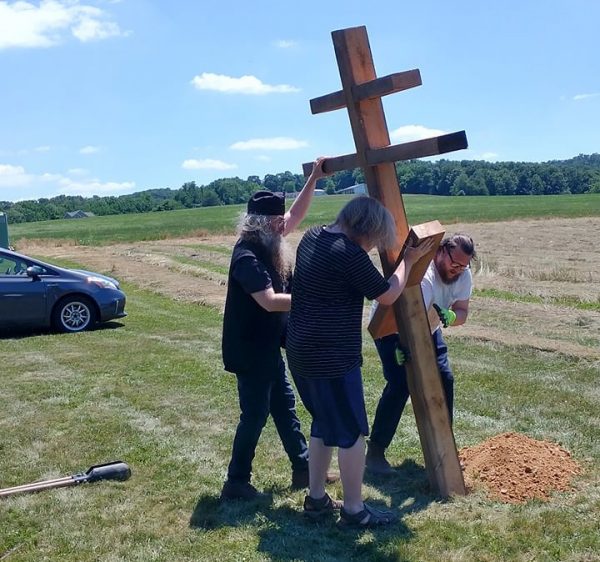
x=116 y=470
x=37 y=486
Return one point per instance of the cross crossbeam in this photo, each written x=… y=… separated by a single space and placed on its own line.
x=361 y=96
x=395 y=153
x=377 y=88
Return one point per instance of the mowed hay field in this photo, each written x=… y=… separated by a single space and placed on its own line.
x=150 y=391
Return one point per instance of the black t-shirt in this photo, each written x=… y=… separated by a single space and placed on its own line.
x=333 y=275
x=252 y=336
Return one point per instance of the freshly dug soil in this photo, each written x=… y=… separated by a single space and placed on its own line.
x=515 y=468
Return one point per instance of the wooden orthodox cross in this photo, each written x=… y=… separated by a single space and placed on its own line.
x=361 y=95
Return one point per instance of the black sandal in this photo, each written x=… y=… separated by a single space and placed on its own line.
x=315 y=509
x=367 y=518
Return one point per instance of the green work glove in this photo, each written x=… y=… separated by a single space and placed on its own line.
x=447 y=315
x=401 y=355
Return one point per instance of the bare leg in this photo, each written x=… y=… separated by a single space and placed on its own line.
x=319 y=459
x=352 y=468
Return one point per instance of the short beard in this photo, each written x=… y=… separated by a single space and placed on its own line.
x=446 y=279
x=439 y=266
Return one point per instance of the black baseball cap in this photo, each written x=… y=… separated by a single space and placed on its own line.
x=266 y=203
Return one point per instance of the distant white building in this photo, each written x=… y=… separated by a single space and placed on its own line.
x=294 y=194
x=79 y=214
x=358 y=189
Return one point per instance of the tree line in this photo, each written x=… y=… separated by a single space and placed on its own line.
x=443 y=177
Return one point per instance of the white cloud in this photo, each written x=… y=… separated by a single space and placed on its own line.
x=13 y=176
x=87 y=188
x=414 y=132
x=49 y=178
x=45 y=24
x=24 y=151
x=243 y=85
x=89 y=150
x=489 y=156
x=275 y=143
x=285 y=44
x=207 y=164
x=77 y=172
x=580 y=97
x=16 y=184
x=90 y=29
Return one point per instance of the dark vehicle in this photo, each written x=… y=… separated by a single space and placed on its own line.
x=34 y=294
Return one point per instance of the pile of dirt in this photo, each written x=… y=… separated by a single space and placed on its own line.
x=515 y=468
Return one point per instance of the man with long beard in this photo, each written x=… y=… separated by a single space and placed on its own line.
x=446 y=287
x=256 y=310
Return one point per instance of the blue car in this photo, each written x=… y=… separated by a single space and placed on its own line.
x=34 y=294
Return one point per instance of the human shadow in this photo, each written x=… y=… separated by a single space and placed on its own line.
x=212 y=513
x=408 y=487
x=312 y=541
x=284 y=534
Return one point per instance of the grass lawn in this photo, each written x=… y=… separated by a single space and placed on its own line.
x=419 y=209
x=151 y=392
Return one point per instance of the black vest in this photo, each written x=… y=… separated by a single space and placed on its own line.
x=252 y=337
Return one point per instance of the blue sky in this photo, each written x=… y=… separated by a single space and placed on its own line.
x=106 y=97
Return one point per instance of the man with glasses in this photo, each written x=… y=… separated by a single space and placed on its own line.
x=446 y=287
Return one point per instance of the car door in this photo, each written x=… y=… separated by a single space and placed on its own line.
x=23 y=299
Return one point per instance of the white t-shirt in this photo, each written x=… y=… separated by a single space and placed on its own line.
x=444 y=295
x=436 y=291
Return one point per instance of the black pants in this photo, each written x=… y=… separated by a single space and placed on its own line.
x=262 y=394
x=395 y=394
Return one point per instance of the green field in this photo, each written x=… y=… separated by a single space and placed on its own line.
x=150 y=391
x=419 y=209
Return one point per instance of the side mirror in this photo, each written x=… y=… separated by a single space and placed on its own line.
x=34 y=271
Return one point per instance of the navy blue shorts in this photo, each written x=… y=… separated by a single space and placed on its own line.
x=337 y=407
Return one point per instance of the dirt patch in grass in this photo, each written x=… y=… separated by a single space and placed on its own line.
x=514 y=468
x=543 y=258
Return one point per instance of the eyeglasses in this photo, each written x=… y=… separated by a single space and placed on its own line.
x=454 y=264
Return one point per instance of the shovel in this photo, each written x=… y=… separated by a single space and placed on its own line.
x=116 y=470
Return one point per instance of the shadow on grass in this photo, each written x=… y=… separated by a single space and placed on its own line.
x=17 y=333
x=283 y=531
x=22 y=333
x=408 y=487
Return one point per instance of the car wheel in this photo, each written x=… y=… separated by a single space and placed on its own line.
x=74 y=314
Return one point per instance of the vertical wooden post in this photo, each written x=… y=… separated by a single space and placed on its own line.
x=370 y=133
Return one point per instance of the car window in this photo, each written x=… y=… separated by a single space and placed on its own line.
x=10 y=265
x=13 y=266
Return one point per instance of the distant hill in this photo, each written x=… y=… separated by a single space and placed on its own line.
x=580 y=174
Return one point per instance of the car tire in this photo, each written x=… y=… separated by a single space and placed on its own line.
x=74 y=314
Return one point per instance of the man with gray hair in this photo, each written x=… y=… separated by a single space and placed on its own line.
x=446 y=287
x=254 y=325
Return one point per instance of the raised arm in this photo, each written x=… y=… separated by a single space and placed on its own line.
x=301 y=204
x=399 y=278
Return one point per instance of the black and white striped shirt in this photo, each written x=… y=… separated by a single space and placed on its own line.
x=333 y=276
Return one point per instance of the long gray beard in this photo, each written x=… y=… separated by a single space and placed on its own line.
x=279 y=250
x=281 y=253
